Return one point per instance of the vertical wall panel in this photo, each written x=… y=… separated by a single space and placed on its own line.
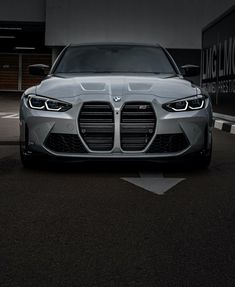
x=16 y=77
x=9 y=68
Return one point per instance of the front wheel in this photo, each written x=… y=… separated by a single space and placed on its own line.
x=204 y=158
x=27 y=159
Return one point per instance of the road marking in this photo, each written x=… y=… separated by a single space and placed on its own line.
x=233 y=129
x=9 y=115
x=153 y=182
x=218 y=124
x=224 y=126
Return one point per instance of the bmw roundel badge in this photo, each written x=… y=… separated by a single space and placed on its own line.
x=117 y=99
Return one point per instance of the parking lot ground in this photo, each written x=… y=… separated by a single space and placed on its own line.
x=83 y=225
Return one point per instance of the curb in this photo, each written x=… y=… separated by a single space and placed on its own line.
x=224 y=126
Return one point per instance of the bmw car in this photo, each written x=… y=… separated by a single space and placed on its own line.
x=115 y=101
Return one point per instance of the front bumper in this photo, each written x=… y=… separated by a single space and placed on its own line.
x=37 y=126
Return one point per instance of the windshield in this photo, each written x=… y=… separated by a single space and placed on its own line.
x=115 y=59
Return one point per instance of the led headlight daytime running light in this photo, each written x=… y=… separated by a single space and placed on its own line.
x=46 y=104
x=187 y=104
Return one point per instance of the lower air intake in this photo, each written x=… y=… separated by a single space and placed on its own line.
x=169 y=143
x=64 y=143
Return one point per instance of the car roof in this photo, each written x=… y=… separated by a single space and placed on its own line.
x=115 y=44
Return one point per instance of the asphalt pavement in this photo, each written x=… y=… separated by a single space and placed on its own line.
x=84 y=225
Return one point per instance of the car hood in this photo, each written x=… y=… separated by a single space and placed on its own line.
x=70 y=86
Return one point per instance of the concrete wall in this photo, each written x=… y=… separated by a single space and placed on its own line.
x=174 y=24
x=22 y=10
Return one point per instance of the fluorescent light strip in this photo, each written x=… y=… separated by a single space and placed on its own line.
x=24 y=48
x=10 y=28
x=7 y=37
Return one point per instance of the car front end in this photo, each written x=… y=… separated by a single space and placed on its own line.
x=115 y=116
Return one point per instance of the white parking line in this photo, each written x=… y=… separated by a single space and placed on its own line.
x=233 y=130
x=9 y=115
x=218 y=124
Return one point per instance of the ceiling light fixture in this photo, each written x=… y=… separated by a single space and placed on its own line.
x=24 y=48
x=11 y=28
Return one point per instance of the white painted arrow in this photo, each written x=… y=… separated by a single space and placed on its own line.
x=153 y=182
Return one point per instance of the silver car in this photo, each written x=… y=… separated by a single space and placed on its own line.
x=115 y=101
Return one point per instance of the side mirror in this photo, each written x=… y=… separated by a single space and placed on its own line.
x=38 y=69
x=190 y=70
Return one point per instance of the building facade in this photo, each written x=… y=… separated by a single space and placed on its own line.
x=218 y=62
x=35 y=31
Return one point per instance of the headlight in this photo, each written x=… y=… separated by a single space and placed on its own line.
x=46 y=104
x=186 y=104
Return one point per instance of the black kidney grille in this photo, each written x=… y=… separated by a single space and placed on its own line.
x=138 y=123
x=96 y=125
x=65 y=143
x=168 y=143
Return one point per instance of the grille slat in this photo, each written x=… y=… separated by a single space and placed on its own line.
x=94 y=114
x=130 y=128
x=93 y=107
x=131 y=114
x=96 y=120
x=94 y=140
x=96 y=125
x=133 y=140
x=139 y=120
x=138 y=123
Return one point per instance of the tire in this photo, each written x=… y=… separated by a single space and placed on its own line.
x=204 y=158
x=27 y=160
